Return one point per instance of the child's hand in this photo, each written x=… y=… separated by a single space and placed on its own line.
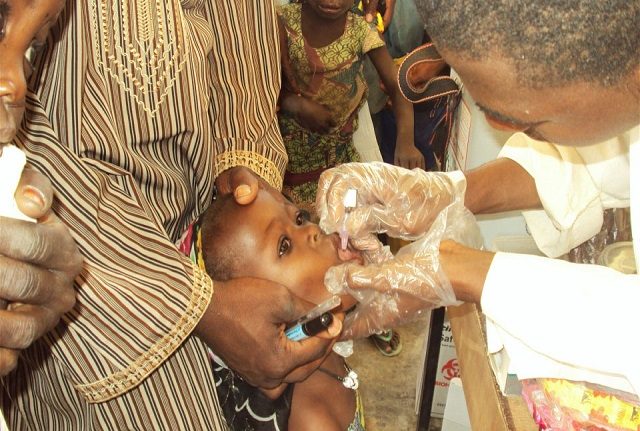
x=313 y=116
x=408 y=156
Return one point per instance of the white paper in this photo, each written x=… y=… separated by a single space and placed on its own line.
x=12 y=163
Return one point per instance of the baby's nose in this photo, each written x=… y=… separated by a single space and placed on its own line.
x=313 y=232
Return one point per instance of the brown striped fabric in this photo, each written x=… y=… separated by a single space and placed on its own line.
x=138 y=105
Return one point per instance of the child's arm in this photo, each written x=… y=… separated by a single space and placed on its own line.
x=407 y=155
x=388 y=14
x=309 y=114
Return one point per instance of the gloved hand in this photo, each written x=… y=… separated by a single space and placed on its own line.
x=390 y=199
x=400 y=289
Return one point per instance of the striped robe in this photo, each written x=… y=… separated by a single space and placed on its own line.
x=136 y=106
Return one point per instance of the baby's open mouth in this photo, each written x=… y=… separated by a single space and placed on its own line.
x=346 y=255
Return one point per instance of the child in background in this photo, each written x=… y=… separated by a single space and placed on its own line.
x=272 y=239
x=323 y=44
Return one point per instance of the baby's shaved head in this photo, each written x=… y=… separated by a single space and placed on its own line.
x=221 y=259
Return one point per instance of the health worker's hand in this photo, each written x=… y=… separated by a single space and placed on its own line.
x=38 y=263
x=393 y=292
x=400 y=289
x=245 y=325
x=390 y=199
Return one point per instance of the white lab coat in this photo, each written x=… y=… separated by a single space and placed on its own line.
x=559 y=319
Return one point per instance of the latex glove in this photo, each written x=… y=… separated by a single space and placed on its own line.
x=400 y=289
x=38 y=263
x=390 y=199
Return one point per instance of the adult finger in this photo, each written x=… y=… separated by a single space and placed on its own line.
x=312 y=351
x=23 y=324
x=47 y=244
x=34 y=194
x=8 y=360
x=24 y=282
x=240 y=181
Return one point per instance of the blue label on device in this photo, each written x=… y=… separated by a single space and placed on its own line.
x=295 y=333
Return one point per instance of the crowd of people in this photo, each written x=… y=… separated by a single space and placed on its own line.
x=135 y=116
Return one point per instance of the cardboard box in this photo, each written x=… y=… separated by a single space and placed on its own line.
x=489 y=410
x=456 y=417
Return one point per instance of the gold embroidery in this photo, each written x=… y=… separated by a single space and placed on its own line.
x=259 y=164
x=138 y=44
x=123 y=380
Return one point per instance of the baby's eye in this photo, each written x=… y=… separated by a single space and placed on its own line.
x=302 y=217
x=284 y=246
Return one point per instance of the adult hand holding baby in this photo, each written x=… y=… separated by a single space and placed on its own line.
x=247 y=319
x=38 y=263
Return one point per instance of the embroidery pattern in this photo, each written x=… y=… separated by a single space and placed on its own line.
x=146 y=54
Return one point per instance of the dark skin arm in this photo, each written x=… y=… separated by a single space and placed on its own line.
x=406 y=155
x=497 y=186
x=245 y=321
x=370 y=8
x=388 y=14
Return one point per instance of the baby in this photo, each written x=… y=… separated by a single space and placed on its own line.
x=272 y=239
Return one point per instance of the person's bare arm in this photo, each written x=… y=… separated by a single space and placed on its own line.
x=370 y=8
x=406 y=155
x=500 y=185
x=388 y=13
x=466 y=269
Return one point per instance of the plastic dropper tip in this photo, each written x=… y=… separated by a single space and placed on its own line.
x=344 y=239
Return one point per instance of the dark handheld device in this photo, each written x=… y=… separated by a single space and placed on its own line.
x=316 y=320
x=310 y=327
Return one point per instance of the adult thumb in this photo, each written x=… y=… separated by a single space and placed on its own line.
x=34 y=194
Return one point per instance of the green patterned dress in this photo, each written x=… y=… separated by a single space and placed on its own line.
x=332 y=76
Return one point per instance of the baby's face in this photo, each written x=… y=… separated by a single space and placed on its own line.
x=24 y=26
x=281 y=245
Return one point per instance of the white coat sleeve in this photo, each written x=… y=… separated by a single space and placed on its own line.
x=584 y=316
x=575 y=185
